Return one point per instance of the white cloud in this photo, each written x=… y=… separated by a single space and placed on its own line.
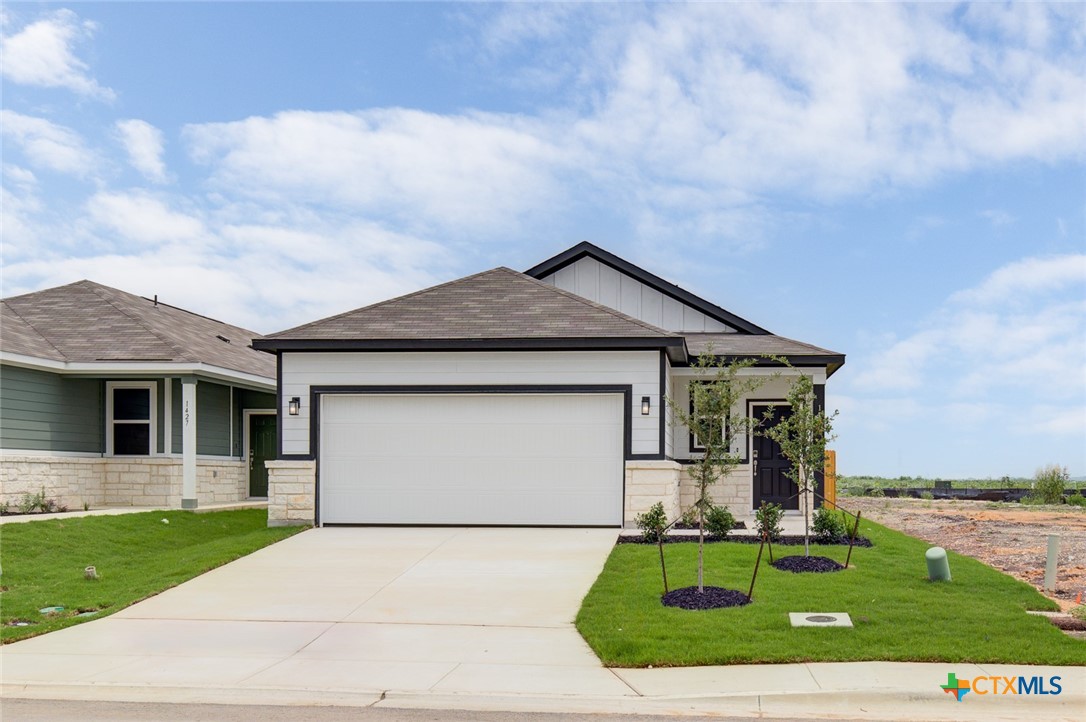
x=21 y=204
x=47 y=144
x=997 y=217
x=1023 y=326
x=1020 y=333
x=144 y=145
x=42 y=54
x=469 y=172
x=139 y=217
x=295 y=268
x=829 y=99
x=1028 y=276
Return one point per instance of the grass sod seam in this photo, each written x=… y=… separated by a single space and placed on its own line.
x=898 y=615
x=136 y=556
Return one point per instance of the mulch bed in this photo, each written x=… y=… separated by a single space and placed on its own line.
x=783 y=541
x=711 y=598
x=680 y=525
x=1069 y=624
x=800 y=564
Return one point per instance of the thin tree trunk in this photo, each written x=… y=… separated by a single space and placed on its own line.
x=806 y=512
x=701 y=547
x=663 y=569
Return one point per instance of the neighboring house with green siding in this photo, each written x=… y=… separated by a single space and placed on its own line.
x=112 y=399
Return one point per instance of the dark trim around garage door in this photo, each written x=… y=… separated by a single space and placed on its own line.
x=315 y=392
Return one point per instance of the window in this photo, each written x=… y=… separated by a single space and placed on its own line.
x=739 y=441
x=130 y=418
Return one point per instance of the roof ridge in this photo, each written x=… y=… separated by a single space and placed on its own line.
x=382 y=303
x=29 y=325
x=94 y=288
x=614 y=312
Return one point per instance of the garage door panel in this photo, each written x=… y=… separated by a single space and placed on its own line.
x=472 y=459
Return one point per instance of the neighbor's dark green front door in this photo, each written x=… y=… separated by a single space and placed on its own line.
x=770 y=483
x=261 y=449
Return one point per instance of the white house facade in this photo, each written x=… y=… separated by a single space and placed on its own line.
x=506 y=398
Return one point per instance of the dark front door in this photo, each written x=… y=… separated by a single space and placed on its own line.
x=770 y=483
x=261 y=449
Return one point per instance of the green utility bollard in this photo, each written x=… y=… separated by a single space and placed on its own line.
x=938 y=566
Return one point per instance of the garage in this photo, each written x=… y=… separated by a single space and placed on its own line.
x=531 y=459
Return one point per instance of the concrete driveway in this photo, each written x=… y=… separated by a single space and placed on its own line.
x=441 y=610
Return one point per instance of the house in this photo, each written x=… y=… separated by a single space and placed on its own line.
x=107 y=398
x=509 y=398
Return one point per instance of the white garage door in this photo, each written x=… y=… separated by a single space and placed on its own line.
x=516 y=459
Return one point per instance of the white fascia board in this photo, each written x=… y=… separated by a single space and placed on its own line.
x=140 y=369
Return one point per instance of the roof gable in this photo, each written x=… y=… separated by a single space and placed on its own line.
x=695 y=314
x=86 y=322
x=500 y=304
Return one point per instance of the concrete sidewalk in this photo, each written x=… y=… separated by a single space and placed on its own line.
x=859 y=690
x=118 y=510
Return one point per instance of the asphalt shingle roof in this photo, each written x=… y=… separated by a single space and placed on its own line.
x=89 y=322
x=742 y=344
x=496 y=304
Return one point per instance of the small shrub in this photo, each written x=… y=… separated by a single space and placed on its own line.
x=689 y=518
x=1031 y=500
x=768 y=517
x=31 y=502
x=1048 y=484
x=652 y=523
x=1077 y=499
x=828 y=525
x=927 y=495
x=876 y=491
x=1079 y=612
x=719 y=521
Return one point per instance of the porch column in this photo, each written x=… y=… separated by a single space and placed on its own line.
x=188 y=442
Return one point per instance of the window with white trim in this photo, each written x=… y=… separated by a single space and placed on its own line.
x=130 y=418
x=739 y=440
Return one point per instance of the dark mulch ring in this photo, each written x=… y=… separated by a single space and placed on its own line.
x=711 y=598
x=1069 y=624
x=799 y=564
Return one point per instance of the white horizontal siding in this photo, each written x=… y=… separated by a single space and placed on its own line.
x=774 y=389
x=639 y=369
x=669 y=417
x=603 y=284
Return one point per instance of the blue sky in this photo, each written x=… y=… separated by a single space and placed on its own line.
x=900 y=183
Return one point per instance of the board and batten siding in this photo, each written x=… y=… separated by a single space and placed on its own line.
x=588 y=278
x=43 y=411
x=639 y=369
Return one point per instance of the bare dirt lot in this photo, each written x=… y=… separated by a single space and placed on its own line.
x=1008 y=537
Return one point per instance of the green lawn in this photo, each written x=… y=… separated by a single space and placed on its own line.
x=136 y=555
x=898 y=614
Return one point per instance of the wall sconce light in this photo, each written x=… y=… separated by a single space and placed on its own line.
x=295 y=406
x=645 y=405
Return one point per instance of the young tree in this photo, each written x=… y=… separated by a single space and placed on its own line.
x=803 y=436
x=714 y=420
